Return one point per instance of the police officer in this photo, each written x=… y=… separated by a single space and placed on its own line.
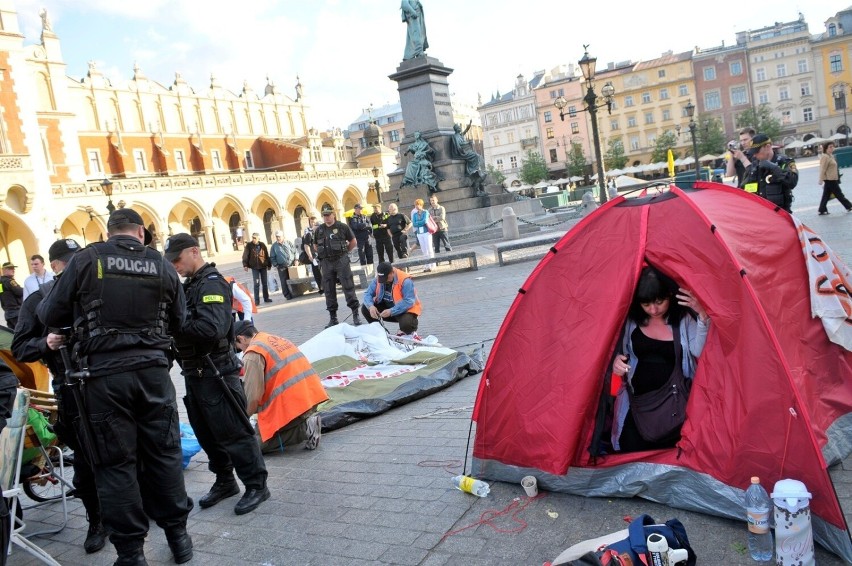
x=122 y=299
x=770 y=174
x=379 y=222
x=33 y=342
x=334 y=241
x=11 y=295
x=215 y=400
x=362 y=229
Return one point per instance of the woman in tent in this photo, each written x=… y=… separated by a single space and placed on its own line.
x=661 y=342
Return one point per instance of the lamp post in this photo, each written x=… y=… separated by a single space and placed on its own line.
x=840 y=98
x=690 y=112
x=106 y=187
x=591 y=100
x=377 y=187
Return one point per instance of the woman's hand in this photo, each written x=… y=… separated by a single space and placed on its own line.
x=685 y=298
x=619 y=366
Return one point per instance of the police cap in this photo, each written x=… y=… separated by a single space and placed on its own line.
x=326 y=210
x=759 y=141
x=62 y=250
x=177 y=243
x=122 y=216
x=9 y=265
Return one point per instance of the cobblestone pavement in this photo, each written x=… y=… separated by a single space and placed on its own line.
x=379 y=491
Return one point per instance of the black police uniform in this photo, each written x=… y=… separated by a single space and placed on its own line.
x=774 y=180
x=308 y=240
x=208 y=330
x=11 y=297
x=333 y=250
x=30 y=345
x=379 y=221
x=361 y=227
x=122 y=298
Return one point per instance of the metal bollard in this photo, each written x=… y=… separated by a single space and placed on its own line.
x=510 y=224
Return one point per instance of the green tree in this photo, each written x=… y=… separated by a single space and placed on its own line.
x=614 y=157
x=576 y=163
x=710 y=135
x=761 y=120
x=533 y=168
x=496 y=175
x=666 y=141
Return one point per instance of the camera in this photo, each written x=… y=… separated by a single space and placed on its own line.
x=732 y=145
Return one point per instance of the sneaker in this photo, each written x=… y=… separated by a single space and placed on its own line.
x=314 y=432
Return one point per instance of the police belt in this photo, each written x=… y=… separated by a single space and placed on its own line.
x=333 y=258
x=195 y=354
x=96 y=358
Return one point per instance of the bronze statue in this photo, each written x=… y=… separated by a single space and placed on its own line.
x=460 y=148
x=415 y=39
x=419 y=169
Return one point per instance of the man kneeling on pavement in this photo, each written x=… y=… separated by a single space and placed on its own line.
x=281 y=387
x=391 y=297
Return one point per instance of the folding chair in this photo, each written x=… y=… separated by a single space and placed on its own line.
x=11 y=450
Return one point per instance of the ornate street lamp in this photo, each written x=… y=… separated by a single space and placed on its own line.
x=587 y=65
x=106 y=187
x=840 y=100
x=377 y=187
x=690 y=112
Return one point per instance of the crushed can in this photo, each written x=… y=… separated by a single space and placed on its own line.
x=794 y=541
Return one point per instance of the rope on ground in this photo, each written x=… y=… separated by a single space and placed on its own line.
x=447 y=465
x=513 y=511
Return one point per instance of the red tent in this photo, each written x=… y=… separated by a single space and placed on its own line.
x=772 y=396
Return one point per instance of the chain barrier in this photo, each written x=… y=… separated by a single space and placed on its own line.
x=472 y=232
x=540 y=225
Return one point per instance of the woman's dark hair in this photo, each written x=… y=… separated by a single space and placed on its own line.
x=825 y=146
x=654 y=285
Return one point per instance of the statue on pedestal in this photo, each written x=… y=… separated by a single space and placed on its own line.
x=460 y=148
x=419 y=169
x=415 y=39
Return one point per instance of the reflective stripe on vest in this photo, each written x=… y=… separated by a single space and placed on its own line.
x=291 y=387
x=396 y=291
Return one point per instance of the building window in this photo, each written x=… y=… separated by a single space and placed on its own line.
x=682 y=90
x=614 y=104
x=781 y=70
x=496 y=140
x=140 y=161
x=832 y=30
x=760 y=74
x=736 y=68
x=628 y=100
x=552 y=94
x=661 y=73
x=216 y=158
x=667 y=114
x=391 y=120
x=513 y=161
x=549 y=133
x=763 y=97
x=803 y=65
x=652 y=139
x=786 y=117
x=634 y=143
x=840 y=101
x=575 y=127
x=572 y=111
x=249 y=160
x=835 y=63
x=646 y=97
x=94 y=162
x=613 y=124
x=805 y=89
x=649 y=117
x=739 y=96
x=394 y=136
x=709 y=73
x=631 y=122
x=548 y=117
x=553 y=157
x=510 y=137
x=561 y=92
x=783 y=93
x=807 y=114
x=664 y=94
x=363 y=142
x=180 y=160
x=499 y=164
x=712 y=100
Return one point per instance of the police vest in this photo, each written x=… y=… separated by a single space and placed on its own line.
x=330 y=241
x=123 y=299
x=396 y=290
x=291 y=387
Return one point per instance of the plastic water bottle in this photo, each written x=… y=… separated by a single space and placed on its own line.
x=758 y=506
x=470 y=485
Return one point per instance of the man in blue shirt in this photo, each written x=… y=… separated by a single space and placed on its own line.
x=391 y=297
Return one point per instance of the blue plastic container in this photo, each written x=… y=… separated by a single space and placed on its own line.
x=188 y=443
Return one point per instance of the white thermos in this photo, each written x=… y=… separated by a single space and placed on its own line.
x=794 y=541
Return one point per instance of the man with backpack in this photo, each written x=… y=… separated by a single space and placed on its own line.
x=283 y=255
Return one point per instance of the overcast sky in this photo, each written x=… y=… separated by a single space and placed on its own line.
x=344 y=50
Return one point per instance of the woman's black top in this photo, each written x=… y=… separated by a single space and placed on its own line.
x=655 y=363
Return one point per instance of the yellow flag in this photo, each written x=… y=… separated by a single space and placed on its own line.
x=671 y=164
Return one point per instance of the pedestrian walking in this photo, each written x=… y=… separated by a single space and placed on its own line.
x=829 y=178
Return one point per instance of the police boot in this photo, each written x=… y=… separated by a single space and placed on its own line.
x=356 y=317
x=223 y=487
x=96 y=537
x=251 y=500
x=180 y=543
x=332 y=320
x=130 y=553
